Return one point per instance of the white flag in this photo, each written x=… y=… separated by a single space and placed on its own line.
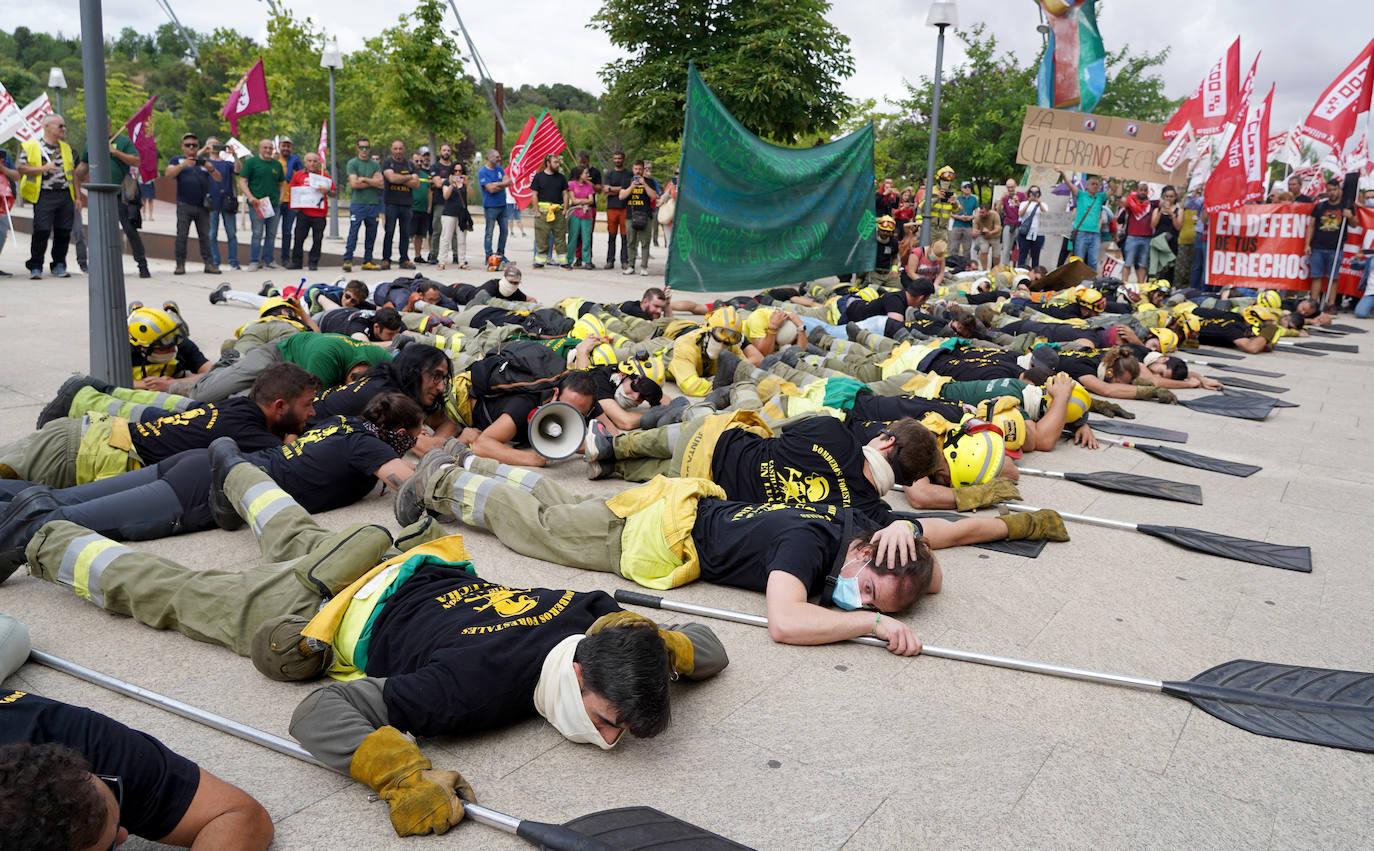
x=30 y=122
x=1178 y=149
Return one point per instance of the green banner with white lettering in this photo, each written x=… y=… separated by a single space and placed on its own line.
x=752 y=215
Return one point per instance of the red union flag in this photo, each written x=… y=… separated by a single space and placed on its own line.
x=1255 y=147
x=248 y=97
x=1213 y=100
x=1228 y=185
x=1332 y=120
x=140 y=129
x=538 y=139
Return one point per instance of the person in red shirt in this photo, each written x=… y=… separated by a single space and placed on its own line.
x=311 y=216
x=1140 y=229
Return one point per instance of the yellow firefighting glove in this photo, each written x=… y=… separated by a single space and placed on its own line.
x=681 y=654
x=981 y=496
x=1042 y=525
x=422 y=799
x=1109 y=409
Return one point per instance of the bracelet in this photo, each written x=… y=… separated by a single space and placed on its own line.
x=879 y=620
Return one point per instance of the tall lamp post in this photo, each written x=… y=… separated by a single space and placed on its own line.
x=57 y=81
x=331 y=59
x=943 y=13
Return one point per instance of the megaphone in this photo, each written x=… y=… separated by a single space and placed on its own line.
x=557 y=430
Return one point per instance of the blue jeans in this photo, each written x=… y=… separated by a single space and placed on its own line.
x=1137 y=252
x=288 y=218
x=264 y=238
x=231 y=237
x=495 y=216
x=397 y=214
x=1087 y=244
x=365 y=216
x=1366 y=303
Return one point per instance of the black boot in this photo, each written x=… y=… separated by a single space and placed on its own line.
x=19 y=522
x=62 y=402
x=224 y=456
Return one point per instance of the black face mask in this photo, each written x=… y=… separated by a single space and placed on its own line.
x=401 y=442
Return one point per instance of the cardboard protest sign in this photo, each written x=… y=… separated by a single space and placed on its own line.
x=1094 y=144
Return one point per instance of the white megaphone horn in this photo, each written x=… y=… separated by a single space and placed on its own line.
x=557 y=430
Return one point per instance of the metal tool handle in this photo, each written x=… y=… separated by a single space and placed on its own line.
x=1078 y=518
x=1044 y=474
x=927 y=650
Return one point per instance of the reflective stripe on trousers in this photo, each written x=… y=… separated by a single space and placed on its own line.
x=84 y=561
x=261 y=502
x=470 y=491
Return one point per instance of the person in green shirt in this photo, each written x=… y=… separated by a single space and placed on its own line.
x=123 y=157
x=332 y=358
x=420 y=219
x=364 y=204
x=261 y=179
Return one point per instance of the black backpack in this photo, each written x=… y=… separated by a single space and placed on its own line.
x=518 y=366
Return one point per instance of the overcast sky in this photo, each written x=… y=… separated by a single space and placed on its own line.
x=1304 y=44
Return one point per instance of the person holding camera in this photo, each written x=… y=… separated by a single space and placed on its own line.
x=194 y=176
x=637 y=197
x=224 y=202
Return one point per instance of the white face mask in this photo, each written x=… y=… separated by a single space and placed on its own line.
x=558 y=697
x=883 y=477
x=622 y=397
x=713 y=348
x=507 y=287
x=162 y=357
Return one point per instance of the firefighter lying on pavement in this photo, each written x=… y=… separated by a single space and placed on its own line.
x=673 y=531
x=418 y=643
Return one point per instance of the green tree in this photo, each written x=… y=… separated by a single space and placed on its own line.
x=426 y=74
x=777 y=65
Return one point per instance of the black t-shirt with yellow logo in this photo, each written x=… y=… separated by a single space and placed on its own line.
x=741 y=543
x=1080 y=362
x=815 y=461
x=461 y=654
x=328 y=467
x=238 y=417
x=1221 y=327
x=397 y=193
x=969 y=364
x=348 y=400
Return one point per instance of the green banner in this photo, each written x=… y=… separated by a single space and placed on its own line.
x=752 y=215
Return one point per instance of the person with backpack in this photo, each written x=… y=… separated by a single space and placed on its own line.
x=498 y=394
x=638 y=198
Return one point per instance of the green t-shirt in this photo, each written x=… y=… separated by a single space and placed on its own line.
x=421 y=192
x=329 y=356
x=264 y=178
x=118 y=170
x=973 y=392
x=364 y=168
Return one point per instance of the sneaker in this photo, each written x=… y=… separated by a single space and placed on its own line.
x=369 y=266
x=643 y=272
x=35 y=274
x=538 y=265
x=565 y=265
x=217 y=294
x=60 y=271
x=384 y=265
x=266 y=289
x=235 y=267
x=4 y=274
x=405 y=264
x=224 y=456
x=269 y=265
x=257 y=267
x=348 y=265
x=599 y=452
x=627 y=271
x=409 y=502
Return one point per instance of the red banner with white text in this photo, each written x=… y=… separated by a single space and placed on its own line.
x=1262 y=245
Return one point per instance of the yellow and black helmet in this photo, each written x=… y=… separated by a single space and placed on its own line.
x=153 y=328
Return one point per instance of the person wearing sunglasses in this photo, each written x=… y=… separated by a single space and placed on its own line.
x=72 y=778
x=47 y=171
x=365 y=183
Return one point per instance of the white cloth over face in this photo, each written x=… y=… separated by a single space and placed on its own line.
x=558 y=697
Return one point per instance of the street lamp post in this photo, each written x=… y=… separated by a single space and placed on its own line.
x=331 y=59
x=57 y=81
x=943 y=13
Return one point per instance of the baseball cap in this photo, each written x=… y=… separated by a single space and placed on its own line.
x=424 y=149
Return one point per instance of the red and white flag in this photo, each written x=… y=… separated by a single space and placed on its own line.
x=1310 y=176
x=9 y=114
x=324 y=141
x=248 y=97
x=140 y=129
x=1230 y=184
x=538 y=139
x=1332 y=120
x=29 y=122
x=1179 y=149
x=1213 y=100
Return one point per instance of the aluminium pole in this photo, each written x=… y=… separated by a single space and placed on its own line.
x=934 y=130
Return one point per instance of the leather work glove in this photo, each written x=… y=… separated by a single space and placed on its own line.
x=1109 y=409
x=1159 y=394
x=1042 y=525
x=422 y=799
x=981 y=496
x=681 y=654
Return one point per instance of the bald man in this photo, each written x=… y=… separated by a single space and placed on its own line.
x=310 y=215
x=47 y=180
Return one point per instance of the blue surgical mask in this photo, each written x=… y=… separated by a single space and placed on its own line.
x=846 y=594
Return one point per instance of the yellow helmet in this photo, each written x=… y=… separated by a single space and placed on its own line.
x=1074 y=258
x=276 y=303
x=1270 y=299
x=603 y=354
x=887 y=224
x=1168 y=340
x=1187 y=324
x=945 y=173
x=1183 y=307
x=149 y=327
x=1257 y=315
x=589 y=325
x=974 y=452
x=1005 y=413
x=1090 y=298
x=725 y=317
x=1079 y=402
x=647 y=365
